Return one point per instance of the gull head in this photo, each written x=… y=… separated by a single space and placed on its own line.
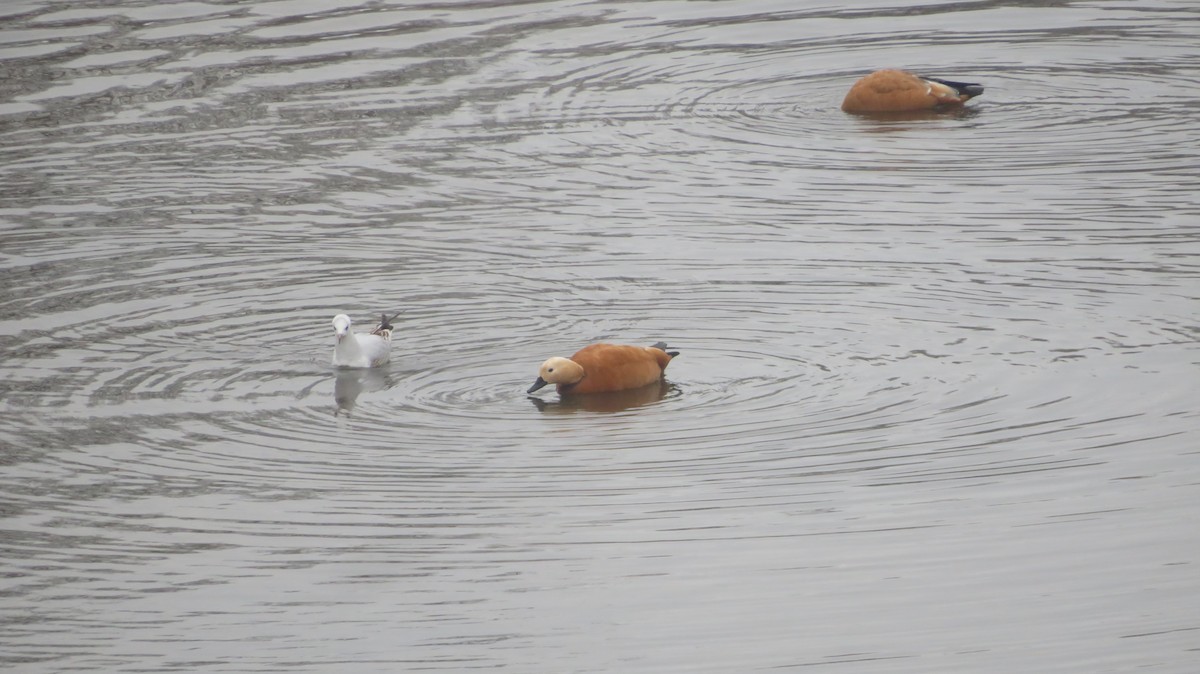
x=341 y=323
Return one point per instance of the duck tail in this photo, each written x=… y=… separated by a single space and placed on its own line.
x=662 y=346
x=969 y=90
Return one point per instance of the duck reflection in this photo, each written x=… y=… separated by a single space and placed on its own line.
x=890 y=121
x=612 y=401
x=349 y=384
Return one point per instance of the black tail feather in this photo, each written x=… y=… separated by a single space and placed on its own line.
x=965 y=88
x=385 y=323
x=663 y=347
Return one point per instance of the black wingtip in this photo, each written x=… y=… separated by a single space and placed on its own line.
x=662 y=346
x=967 y=89
x=385 y=323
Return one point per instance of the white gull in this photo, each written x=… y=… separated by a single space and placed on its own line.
x=362 y=349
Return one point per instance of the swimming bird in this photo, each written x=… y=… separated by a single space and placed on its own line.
x=605 y=367
x=899 y=91
x=361 y=349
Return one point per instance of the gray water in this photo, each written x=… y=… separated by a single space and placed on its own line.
x=937 y=407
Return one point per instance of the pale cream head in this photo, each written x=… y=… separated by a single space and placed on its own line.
x=560 y=370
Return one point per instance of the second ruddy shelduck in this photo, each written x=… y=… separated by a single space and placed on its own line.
x=601 y=368
x=900 y=91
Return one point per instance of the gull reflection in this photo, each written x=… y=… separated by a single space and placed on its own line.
x=349 y=384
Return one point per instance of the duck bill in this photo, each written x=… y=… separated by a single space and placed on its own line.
x=537 y=385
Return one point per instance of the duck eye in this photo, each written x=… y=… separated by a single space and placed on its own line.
x=550 y=370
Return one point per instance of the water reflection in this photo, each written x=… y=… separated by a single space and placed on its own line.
x=348 y=385
x=967 y=112
x=608 y=402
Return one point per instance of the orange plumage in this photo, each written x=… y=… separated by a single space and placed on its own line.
x=605 y=367
x=899 y=91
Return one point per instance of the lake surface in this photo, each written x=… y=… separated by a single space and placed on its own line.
x=937 y=407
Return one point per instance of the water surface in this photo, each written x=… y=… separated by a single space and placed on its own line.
x=936 y=408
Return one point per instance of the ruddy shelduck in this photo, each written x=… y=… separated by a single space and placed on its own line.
x=899 y=91
x=361 y=349
x=605 y=367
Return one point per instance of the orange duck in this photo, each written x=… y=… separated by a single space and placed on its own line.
x=605 y=367
x=898 y=91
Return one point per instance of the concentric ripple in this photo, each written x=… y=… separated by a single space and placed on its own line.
x=935 y=398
